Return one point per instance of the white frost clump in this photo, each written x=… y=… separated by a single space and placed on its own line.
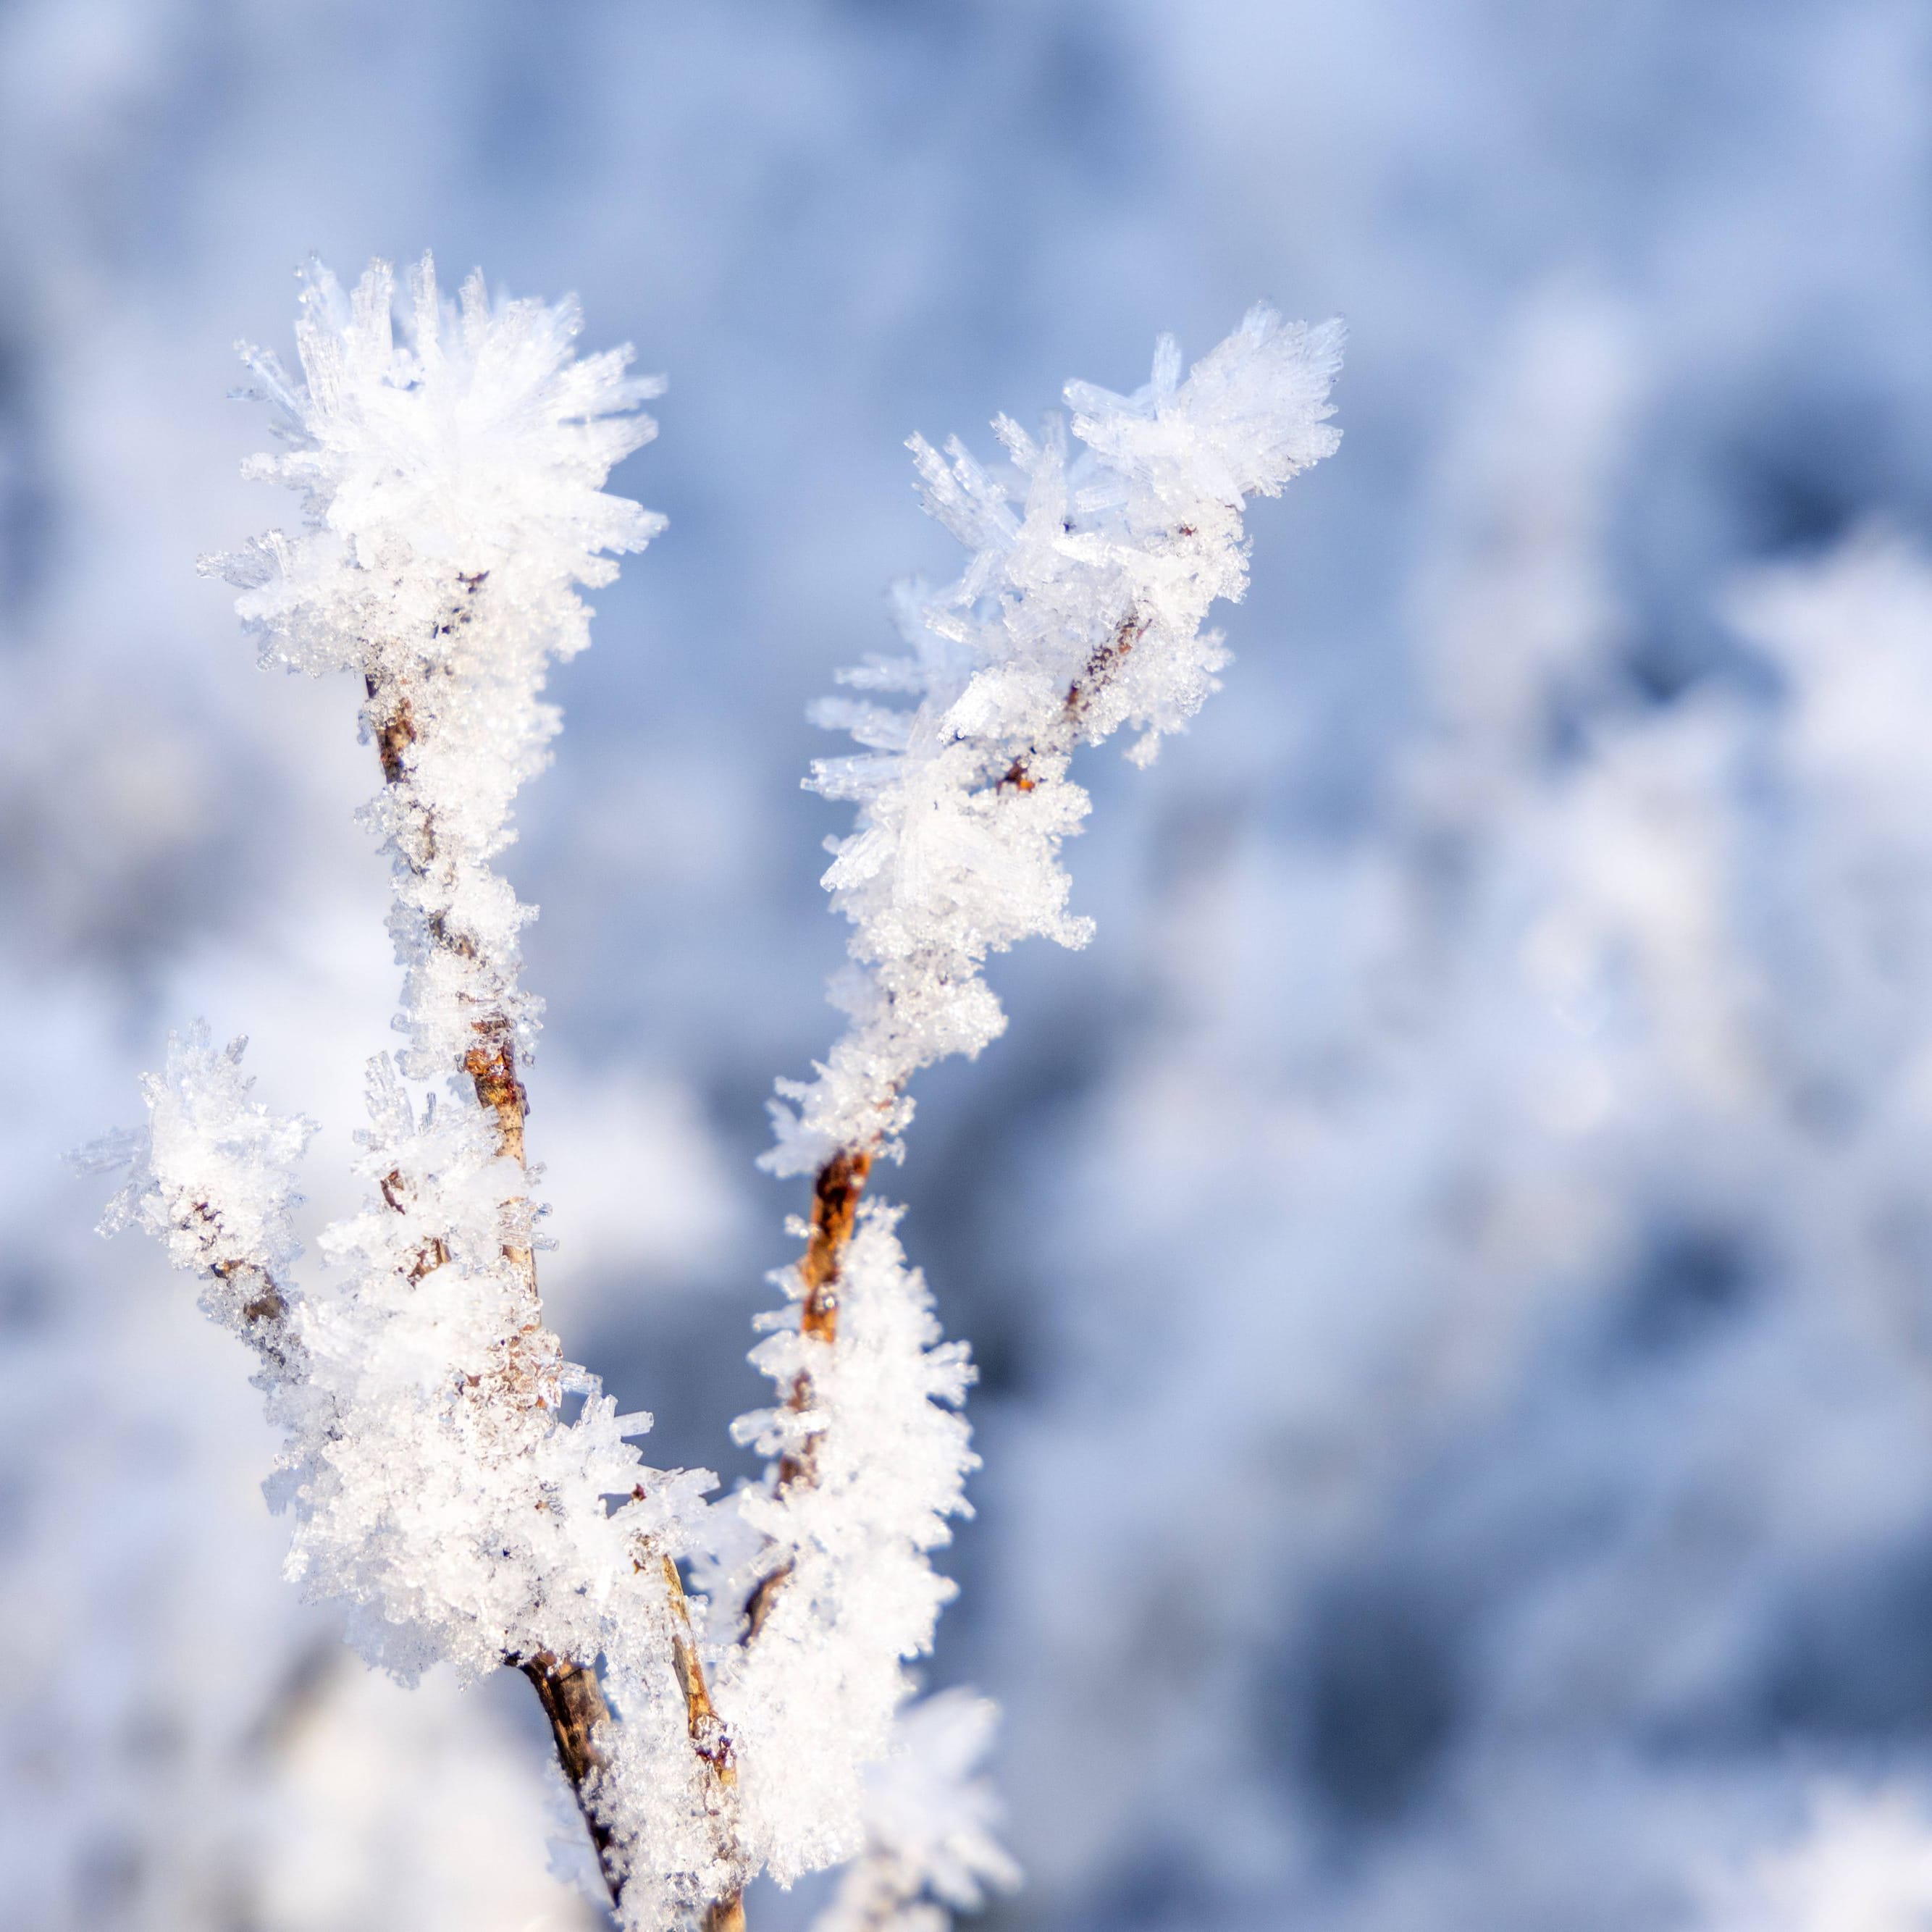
x=811 y=1702
x=1081 y=610
x=209 y=1140
x=213 y=1179
x=451 y=491
x=930 y=1823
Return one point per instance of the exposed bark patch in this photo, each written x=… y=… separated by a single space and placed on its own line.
x=835 y=1195
x=835 y=1205
x=573 y=1700
x=492 y=1064
x=1103 y=664
x=395 y=732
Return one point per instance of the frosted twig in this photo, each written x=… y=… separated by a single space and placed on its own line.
x=451 y=479
x=1080 y=609
x=452 y=482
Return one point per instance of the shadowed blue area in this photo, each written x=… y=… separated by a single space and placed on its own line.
x=1447 y=1262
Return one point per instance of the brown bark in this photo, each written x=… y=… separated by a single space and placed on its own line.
x=709 y=1739
x=492 y=1064
x=573 y=1700
x=709 y=1736
x=835 y=1208
x=1102 y=662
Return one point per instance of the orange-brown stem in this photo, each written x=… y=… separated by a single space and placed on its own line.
x=492 y=1064
x=835 y=1208
x=573 y=1700
x=701 y=1719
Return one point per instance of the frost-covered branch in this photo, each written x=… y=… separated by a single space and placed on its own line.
x=1081 y=609
x=451 y=481
x=214 y=1181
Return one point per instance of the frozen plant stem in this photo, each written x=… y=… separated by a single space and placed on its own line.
x=572 y=1698
x=451 y=484
x=1081 y=608
x=451 y=480
x=568 y=1688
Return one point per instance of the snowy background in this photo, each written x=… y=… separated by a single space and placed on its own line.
x=1452 y=1263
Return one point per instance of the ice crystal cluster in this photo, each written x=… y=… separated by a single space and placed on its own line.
x=451 y=484
x=930 y=1825
x=441 y=1488
x=813 y=1700
x=1080 y=610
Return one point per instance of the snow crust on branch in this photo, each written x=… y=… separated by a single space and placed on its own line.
x=450 y=480
x=450 y=477
x=214 y=1176
x=451 y=484
x=398 y=1500
x=1080 y=610
x=454 y=1527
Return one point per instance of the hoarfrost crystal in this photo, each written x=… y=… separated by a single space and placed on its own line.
x=1080 y=610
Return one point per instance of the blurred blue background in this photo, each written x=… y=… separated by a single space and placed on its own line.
x=1451 y=1263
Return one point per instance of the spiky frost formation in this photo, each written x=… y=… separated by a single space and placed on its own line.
x=451 y=482
x=1081 y=610
x=454 y=1528
x=811 y=1700
x=213 y=1174
x=395 y=1508
x=212 y=1178
x=450 y=477
x=930 y=1819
